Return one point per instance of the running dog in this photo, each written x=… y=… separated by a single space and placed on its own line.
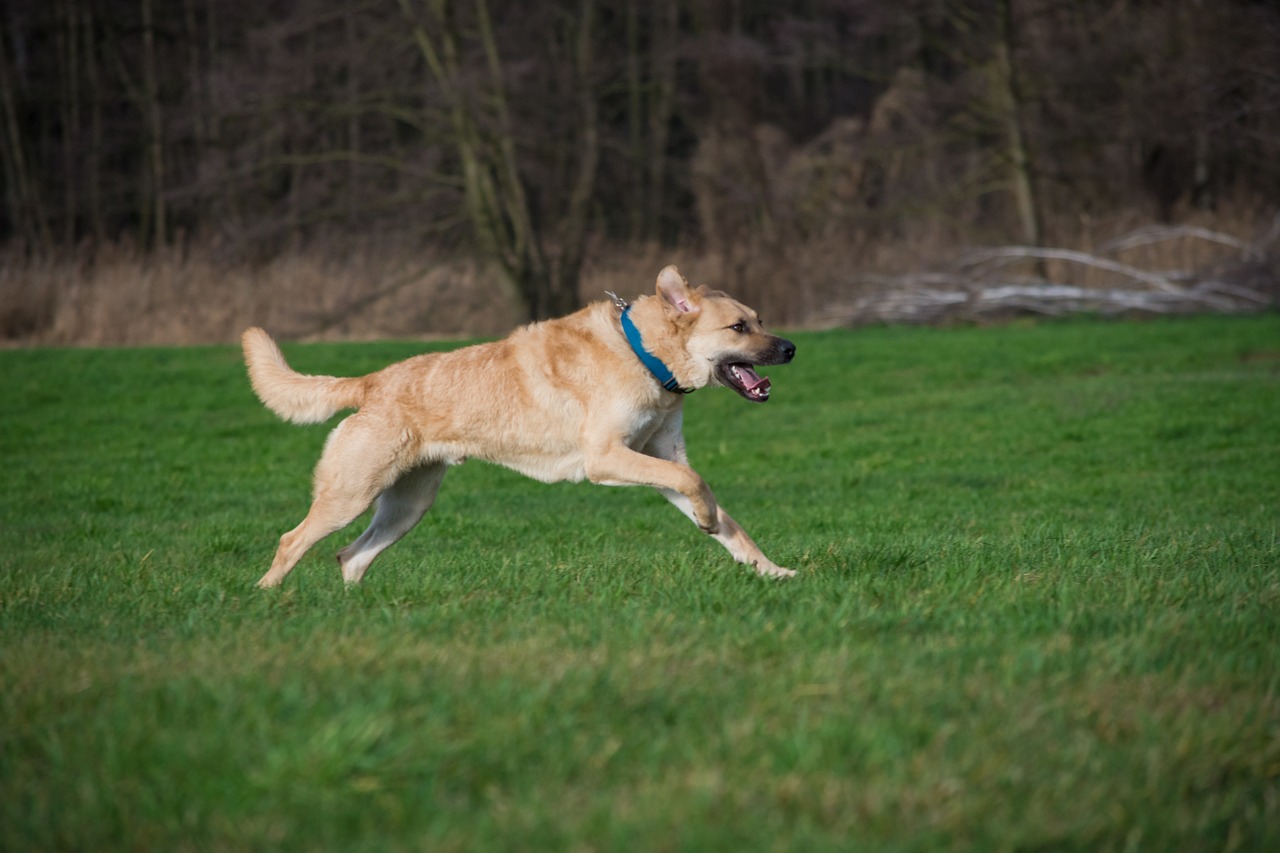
x=596 y=395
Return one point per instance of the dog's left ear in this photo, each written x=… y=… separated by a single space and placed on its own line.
x=673 y=288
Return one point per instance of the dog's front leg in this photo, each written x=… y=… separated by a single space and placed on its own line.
x=731 y=535
x=619 y=465
x=668 y=443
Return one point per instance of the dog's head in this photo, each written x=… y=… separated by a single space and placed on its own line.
x=722 y=339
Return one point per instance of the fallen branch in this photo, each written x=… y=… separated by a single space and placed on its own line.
x=1008 y=254
x=1163 y=233
x=907 y=305
x=968 y=291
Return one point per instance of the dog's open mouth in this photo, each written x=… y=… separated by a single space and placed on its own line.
x=742 y=377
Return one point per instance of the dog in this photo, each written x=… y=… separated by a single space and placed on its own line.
x=594 y=395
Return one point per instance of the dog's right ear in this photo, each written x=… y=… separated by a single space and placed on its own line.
x=674 y=289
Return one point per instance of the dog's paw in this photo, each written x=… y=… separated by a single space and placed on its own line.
x=769 y=570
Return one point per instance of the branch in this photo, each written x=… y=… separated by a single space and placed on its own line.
x=967 y=291
x=1161 y=233
x=1007 y=254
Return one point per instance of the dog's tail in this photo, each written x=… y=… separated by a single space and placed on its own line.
x=295 y=396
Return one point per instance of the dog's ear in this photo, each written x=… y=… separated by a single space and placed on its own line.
x=674 y=289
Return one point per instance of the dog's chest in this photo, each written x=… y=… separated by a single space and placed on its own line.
x=643 y=425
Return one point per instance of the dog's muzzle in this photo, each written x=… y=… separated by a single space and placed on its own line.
x=741 y=376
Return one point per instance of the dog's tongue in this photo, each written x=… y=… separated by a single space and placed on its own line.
x=752 y=380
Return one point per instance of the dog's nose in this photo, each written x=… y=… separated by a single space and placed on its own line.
x=786 y=349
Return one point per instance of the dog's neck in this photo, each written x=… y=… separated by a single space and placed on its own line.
x=655 y=365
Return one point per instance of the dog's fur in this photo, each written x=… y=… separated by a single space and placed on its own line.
x=564 y=399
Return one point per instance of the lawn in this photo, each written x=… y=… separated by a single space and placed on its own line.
x=1038 y=607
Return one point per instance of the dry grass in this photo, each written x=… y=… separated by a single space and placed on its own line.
x=118 y=295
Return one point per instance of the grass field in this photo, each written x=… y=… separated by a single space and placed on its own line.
x=1039 y=608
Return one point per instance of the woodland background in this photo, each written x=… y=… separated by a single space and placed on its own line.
x=174 y=171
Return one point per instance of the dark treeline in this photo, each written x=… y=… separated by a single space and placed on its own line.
x=526 y=133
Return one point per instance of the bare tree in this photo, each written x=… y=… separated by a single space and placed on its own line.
x=24 y=193
x=541 y=258
x=150 y=105
x=1014 y=109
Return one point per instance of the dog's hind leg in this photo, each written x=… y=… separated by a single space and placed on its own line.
x=399 y=508
x=354 y=469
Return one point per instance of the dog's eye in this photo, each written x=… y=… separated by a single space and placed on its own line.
x=739 y=327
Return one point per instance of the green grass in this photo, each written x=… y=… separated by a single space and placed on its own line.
x=1039 y=607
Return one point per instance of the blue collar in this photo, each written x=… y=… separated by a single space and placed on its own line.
x=659 y=370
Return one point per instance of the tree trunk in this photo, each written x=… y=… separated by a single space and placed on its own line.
x=1019 y=158
x=661 y=108
x=353 y=117
x=635 y=128
x=69 y=56
x=526 y=249
x=97 y=222
x=155 y=136
x=480 y=197
x=497 y=205
x=198 y=97
x=563 y=286
x=23 y=194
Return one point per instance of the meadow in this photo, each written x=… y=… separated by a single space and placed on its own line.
x=1038 y=608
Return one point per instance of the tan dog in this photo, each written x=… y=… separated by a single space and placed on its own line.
x=581 y=396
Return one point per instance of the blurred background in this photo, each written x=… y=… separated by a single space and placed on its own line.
x=174 y=171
